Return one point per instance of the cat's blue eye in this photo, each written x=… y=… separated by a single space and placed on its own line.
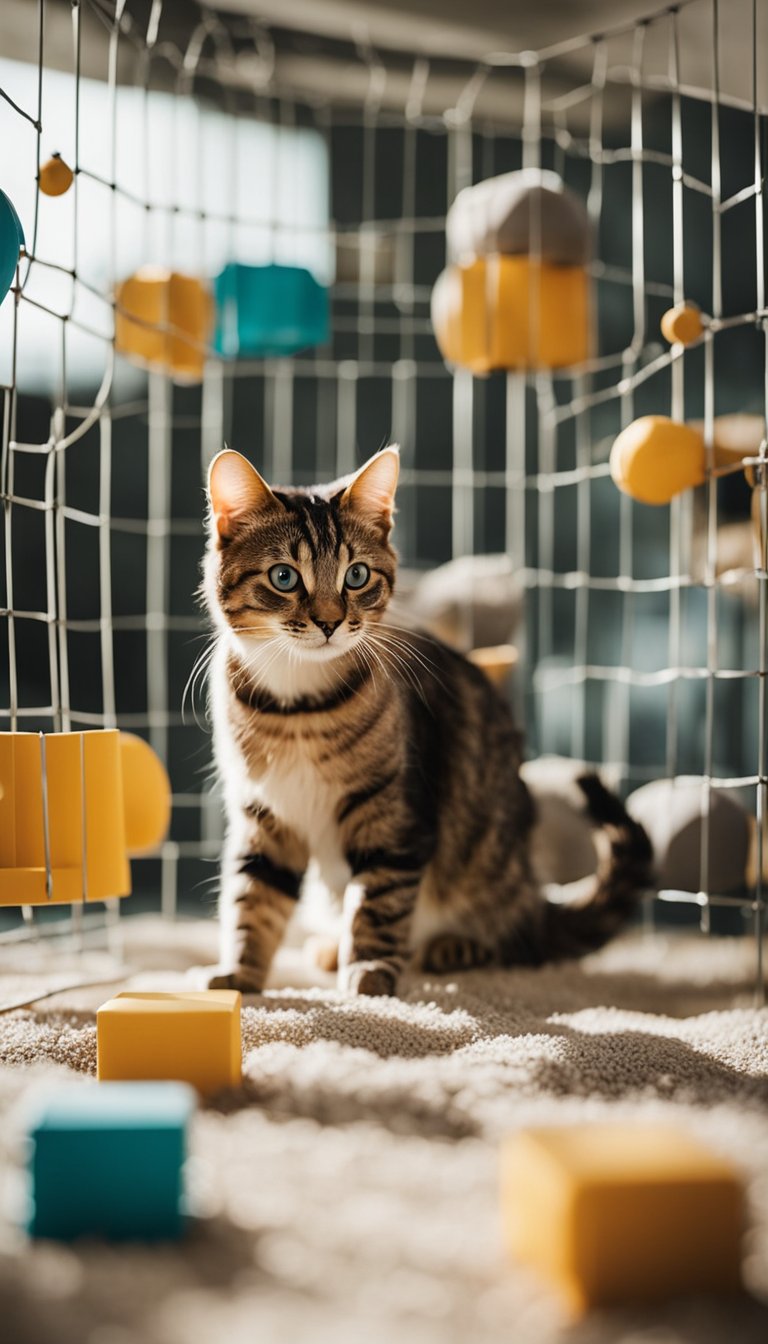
x=357 y=576
x=284 y=578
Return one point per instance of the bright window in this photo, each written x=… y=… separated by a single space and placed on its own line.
x=263 y=188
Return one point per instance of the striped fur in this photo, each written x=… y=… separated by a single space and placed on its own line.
x=377 y=752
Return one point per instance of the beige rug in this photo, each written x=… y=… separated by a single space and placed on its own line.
x=349 y=1193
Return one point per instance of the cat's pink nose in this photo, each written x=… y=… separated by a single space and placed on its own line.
x=327 y=627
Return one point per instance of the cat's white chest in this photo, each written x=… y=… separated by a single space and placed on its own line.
x=295 y=791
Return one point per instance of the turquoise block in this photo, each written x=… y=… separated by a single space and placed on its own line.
x=106 y=1161
x=11 y=243
x=268 y=310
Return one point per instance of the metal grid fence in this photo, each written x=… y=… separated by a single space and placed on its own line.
x=632 y=658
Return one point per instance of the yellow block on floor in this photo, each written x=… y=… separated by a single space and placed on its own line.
x=621 y=1213
x=186 y=1037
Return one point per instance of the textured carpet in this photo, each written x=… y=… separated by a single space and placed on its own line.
x=349 y=1192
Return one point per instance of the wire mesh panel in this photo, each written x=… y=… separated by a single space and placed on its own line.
x=195 y=143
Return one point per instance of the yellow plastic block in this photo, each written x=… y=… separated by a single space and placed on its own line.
x=617 y=1213
x=164 y=319
x=683 y=324
x=146 y=795
x=185 y=1037
x=512 y=312
x=72 y=831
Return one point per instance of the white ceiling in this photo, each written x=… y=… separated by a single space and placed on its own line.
x=447 y=27
x=453 y=33
x=472 y=31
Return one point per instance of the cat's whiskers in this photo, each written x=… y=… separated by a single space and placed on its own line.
x=386 y=627
x=403 y=652
x=304 y=674
x=386 y=670
x=200 y=668
x=410 y=657
x=396 y=664
x=361 y=655
x=343 y=679
x=280 y=647
x=369 y=652
x=250 y=667
x=406 y=648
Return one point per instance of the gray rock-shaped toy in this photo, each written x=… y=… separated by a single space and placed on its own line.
x=471 y=602
x=528 y=212
x=671 y=812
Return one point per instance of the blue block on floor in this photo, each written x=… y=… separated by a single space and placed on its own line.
x=268 y=310
x=106 y=1161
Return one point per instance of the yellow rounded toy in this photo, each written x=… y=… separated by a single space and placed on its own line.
x=164 y=319
x=655 y=458
x=146 y=795
x=683 y=324
x=56 y=176
x=501 y=312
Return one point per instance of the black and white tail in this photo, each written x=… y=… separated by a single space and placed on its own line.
x=564 y=931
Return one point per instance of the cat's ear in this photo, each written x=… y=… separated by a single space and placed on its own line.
x=371 y=492
x=236 y=491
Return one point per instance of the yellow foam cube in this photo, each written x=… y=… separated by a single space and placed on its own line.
x=500 y=312
x=187 y=1037
x=165 y=319
x=616 y=1213
x=62 y=821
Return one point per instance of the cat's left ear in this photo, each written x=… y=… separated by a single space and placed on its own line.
x=371 y=492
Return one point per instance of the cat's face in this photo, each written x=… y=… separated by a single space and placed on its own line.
x=301 y=575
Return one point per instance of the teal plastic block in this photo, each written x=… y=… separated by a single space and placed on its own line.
x=268 y=310
x=11 y=243
x=106 y=1161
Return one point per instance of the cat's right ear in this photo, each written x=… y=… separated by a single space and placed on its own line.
x=236 y=491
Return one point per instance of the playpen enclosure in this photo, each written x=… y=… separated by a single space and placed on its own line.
x=638 y=654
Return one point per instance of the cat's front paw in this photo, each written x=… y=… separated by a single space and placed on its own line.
x=374 y=978
x=218 y=977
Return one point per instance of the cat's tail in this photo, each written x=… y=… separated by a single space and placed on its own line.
x=563 y=930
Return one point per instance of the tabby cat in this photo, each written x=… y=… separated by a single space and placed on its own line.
x=376 y=751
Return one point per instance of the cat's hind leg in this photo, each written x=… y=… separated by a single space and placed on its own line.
x=450 y=952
